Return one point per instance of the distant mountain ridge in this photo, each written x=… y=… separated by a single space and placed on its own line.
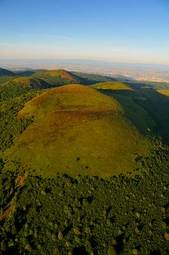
x=5 y=72
x=57 y=77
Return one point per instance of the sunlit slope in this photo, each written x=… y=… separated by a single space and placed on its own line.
x=164 y=92
x=70 y=98
x=77 y=130
x=113 y=85
x=56 y=77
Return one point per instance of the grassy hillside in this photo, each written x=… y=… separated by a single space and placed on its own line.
x=112 y=86
x=28 y=82
x=56 y=77
x=164 y=92
x=36 y=80
x=77 y=130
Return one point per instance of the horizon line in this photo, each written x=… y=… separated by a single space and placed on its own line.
x=84 y=60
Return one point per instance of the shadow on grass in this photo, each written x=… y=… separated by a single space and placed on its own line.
x=146 y=108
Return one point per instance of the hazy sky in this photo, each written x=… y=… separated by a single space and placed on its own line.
x=114 y=30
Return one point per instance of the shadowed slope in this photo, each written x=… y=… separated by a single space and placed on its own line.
x=131 y=100
x=28 y=82
x=77 y=130
x=19 y=86
x=5 y=72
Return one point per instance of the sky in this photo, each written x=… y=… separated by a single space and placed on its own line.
x=125 y=31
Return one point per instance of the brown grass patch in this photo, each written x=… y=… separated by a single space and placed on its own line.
x=10 y=209
x=20 y=181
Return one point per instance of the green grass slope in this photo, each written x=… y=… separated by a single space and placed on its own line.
x=113 y=85
x=57 y=77
x=29 y=82
x=77 y=130
x=164 y=92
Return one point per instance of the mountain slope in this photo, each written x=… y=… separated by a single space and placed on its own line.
x=56 y=77
x=77 y=130
x=5 y=72
x=28 y=82
x=112 y=86
x=93 y=78
x=19 y=86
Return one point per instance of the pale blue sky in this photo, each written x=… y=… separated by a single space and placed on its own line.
x=115 y=30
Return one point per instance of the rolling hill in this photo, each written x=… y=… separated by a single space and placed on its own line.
x=18 y=86
x=28 y=82
x=57 y=77
x=113 y=85
x=77 y=130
